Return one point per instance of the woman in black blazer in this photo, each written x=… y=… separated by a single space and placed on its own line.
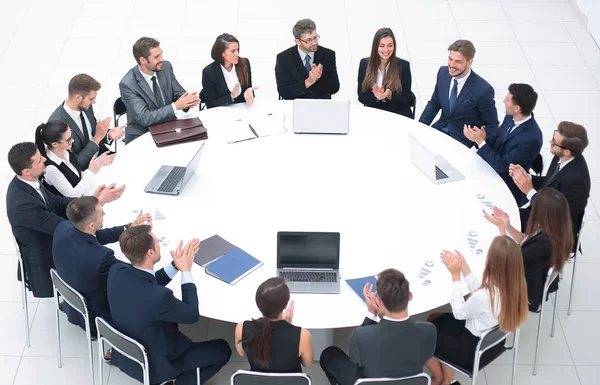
x=546 y=243
x=228 y=79
x=384 y=80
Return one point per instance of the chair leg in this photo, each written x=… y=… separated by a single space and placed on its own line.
x=58 y=331
x=537 y=342
x=197 y=376
x=515 y=348
x=88 y=334
x=100 y=361
x=572 y=283
x=554 y=314
x=26 y=308
x=475 y=368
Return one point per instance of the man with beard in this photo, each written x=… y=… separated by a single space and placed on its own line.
x=90 y=136
x=306 y=70
x=150 y=90
x=464 y=97
x=34 y=213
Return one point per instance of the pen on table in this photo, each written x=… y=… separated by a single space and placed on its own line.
x=252 y=129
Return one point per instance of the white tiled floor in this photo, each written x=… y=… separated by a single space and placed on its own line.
x=541 y=42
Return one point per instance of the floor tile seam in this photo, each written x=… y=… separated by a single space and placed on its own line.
x=15 y=32
x=568 y=346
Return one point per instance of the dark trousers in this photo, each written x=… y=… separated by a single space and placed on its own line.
x=338 y=368
x=209 y=356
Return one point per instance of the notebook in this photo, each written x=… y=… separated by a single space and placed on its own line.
x=358 y=284
x=233 y=266
x=212 y=248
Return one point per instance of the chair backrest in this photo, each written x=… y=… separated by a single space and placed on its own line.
x=119 y=109
x=127 y=346
x=419 y=379
x=202 y=95
x=246 y=377
x=69 y=294
x=578 y=245
x=491 y=338
x=538 y=165
x=413 y=104
x=551 y=277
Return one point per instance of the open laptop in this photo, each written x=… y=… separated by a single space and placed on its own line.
x=171 y=180
x=436 y=168
x=318 y=116
x=309 y=262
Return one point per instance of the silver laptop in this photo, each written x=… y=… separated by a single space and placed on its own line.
x=171 y=180
x=436 y=168
x=318 y=116
x=309 y=262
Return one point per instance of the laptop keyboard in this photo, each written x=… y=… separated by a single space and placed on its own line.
x=439 y=174
x=309 y=276
x=172 y=180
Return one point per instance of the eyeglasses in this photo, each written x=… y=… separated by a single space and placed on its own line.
x=69 y=140
x=311 y=40
x=556 y=144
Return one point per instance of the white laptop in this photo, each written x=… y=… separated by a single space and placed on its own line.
x=318 y=116
x=436 y=168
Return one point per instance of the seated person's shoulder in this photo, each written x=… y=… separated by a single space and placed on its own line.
x=425 y=328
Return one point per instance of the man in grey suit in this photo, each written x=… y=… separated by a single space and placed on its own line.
x=90 y=136
x=150 y=90
x=394 y=347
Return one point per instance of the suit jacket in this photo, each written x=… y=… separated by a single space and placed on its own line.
x=216 y=92
x=145 y=310
x=83 y=262
x=536 y=251
x=290 y=75
x=392 y=349
x=400 y=103
x=142 y=107
x=475 y=106
x=573 y=181
x=83 y=150
x=521 y=146
x=33 y=222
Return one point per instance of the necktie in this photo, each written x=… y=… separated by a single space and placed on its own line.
x=508 y=132
x=42 y=191
x=84 y=128
x=157 y=94
x=549 y=178
x=307 y=63
x=453 y=94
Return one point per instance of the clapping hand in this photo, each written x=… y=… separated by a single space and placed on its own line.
x=236 y=91
x=98 y=161
x=187 y=100
x=106 y=194
x=498 y=218
x=379 y=92
x=288 y=313
x=117 y=132
x=249 y=95
x=521 y=178
x=101 y=129
x=184 y=257
x=475 y=134
x=371 y=300
x=454 y=263
x=142 y=219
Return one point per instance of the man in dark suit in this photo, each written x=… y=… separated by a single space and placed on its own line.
x=396 y=346
x=82 y=260
x=34 y=213
x=463 y=96
x=150 y=90
x=568 y=173
x=518 y=139
x=145 y=310
x=306 y=70
x=90 y=136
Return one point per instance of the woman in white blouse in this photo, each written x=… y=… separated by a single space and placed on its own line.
x=501 y=299
x=228 y=79
x=63 y=175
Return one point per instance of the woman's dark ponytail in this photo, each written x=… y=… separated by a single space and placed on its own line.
x=48 y=133
x=39 y=140
x=260 y=341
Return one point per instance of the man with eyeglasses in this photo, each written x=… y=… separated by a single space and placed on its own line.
x=306 y=70
x=568 y=173
x=90 y=136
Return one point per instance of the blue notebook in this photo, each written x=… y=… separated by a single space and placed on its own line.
x=233 y=266
x=357 y=284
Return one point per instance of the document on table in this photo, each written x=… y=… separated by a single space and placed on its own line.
x=255 y=126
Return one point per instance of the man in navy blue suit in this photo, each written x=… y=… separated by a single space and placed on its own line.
x=145 y=310
x=518 y=139
x=463 y=96
x=82 y=260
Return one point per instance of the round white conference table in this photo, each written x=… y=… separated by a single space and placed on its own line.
x=362 y=185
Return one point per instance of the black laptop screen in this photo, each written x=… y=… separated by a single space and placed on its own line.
x=308 y=250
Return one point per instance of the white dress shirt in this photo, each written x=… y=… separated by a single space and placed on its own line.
x=303 y=57
x=374 y=317
x=477 y=310
x=148 y=79
x=381 y=75
x=516 y=123
x=56 y=178
x=35 y=185
x=231 y=79
x=460 y=85
x=530 y=194
x=186 y=276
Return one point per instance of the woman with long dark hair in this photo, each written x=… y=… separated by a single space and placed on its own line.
x=499 y=300
x=384 y=80
x=547 y=241
x=228 y=79
x=271 y=342
x=63 y=175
